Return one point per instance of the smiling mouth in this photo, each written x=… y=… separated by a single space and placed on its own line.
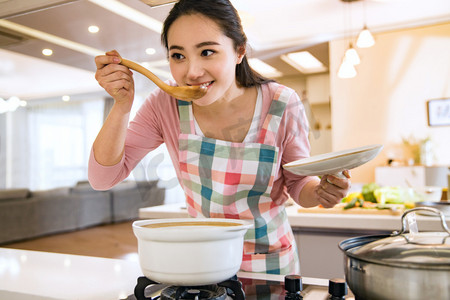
x=206 y=84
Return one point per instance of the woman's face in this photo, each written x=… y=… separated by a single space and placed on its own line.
x=200 y=54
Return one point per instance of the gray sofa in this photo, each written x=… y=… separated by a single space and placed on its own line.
x=26 y=214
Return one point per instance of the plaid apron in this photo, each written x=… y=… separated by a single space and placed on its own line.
x=224 y=179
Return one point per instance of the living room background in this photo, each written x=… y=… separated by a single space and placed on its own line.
x=47 y=144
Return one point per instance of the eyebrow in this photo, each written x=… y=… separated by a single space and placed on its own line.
x=200 y=45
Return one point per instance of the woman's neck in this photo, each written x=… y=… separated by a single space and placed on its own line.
x=231 y=99
x=230 y=117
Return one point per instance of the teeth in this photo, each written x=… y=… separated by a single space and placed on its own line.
x=205 y=84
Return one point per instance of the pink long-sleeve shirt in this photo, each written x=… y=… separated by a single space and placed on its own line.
x=157 y=122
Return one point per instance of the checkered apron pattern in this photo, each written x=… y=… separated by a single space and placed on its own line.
x=223 y=179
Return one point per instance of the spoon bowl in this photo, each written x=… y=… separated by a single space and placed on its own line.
x=187 y=93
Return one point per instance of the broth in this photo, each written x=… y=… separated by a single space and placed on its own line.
x=194 y=223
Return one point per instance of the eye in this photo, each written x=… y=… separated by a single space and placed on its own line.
x=177 y=56
x=208 y=52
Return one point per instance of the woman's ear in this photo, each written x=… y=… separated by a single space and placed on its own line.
x=240 y=54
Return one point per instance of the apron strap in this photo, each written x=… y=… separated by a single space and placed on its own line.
x=186 y=120
x=271 y=124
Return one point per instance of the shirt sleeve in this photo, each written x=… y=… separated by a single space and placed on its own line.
x=143 y=135
x=293 y=144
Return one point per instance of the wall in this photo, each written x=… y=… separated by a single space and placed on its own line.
x=2 y=151
x=317 y=109
x=386 y=101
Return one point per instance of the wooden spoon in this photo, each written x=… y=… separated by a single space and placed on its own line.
x=187 y=93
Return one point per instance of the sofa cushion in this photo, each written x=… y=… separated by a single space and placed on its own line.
x=56 y=192
x=124 y=185
x=15 y=194
x=83 y=188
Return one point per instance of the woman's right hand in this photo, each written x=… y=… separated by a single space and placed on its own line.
x=116 y=79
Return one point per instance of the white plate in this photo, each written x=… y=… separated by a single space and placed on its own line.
x=333 y=162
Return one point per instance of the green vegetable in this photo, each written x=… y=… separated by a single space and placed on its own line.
x=367 y=192
x=395 y=195
x=356 y=202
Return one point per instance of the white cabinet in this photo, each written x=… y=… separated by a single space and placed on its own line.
x=412 y=175
x=319 y=251
x=318 y=88
x=320 y=141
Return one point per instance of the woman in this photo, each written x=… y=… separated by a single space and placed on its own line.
x=227 y=147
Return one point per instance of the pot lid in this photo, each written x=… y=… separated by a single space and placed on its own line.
x=424 y=249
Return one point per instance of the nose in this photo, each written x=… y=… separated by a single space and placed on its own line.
x=195 y=70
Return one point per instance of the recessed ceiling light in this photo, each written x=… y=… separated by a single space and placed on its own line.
x=304 y=61
x=131 y=14
x=66 y=98
x=263 y=68
x=47 y=52
x=154 y=3
x=150 y=51
x=51 y=38
x=93 y=29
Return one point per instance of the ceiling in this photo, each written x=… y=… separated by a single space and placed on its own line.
x=273 y=27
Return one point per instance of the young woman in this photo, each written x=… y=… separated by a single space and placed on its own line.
x=227 y=147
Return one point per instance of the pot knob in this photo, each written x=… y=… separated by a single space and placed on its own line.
x=293 y=286
x=337 y=288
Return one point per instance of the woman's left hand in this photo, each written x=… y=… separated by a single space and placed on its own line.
x=332 y=189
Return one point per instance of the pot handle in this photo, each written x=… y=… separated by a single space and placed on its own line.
x=430 y=209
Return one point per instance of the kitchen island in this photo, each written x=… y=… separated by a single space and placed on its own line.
x=319 y=234
x=36 y=275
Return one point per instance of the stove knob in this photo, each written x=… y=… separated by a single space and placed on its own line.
x=293 y=283
x=337 y=288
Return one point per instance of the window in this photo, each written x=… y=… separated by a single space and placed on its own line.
x=49 y=143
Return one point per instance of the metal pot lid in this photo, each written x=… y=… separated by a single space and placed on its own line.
x=424 y=249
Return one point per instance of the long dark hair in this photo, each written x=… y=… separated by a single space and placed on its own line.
x=225 y=15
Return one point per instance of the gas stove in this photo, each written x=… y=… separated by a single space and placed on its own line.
x=290 y=287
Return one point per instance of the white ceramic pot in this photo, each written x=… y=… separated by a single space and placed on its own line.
x=190 y=251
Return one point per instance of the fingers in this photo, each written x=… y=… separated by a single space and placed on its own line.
x=332 y=189
x=110 y=57
x=113 y=74
x=340 y=182
x=347 y=173
x=115 y=78
x=113 y=53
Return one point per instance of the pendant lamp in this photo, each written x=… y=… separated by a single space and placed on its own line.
x=347 y=69
x=365 y=38
x=352 y=56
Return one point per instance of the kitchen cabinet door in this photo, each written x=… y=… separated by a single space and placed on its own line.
x=415 y=176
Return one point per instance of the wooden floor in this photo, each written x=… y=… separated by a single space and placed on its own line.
x=110 y=241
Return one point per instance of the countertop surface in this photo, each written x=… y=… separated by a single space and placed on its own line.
x=35 y=275
x=42 y=275
x=314 y=220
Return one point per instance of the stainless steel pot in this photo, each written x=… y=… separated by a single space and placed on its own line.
x=191 y=251
x=399 y=266
x=443 y=206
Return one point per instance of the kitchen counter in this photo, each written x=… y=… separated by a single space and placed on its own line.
x=354 y=222
x=35 y=275
x=318 y=234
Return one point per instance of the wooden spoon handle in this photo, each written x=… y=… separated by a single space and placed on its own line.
x=187 y=93
x=137 y=67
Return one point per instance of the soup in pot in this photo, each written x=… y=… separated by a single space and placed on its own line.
x=193 y=223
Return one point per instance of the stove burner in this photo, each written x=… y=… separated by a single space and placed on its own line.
x=220 y=291
x=212 y=292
